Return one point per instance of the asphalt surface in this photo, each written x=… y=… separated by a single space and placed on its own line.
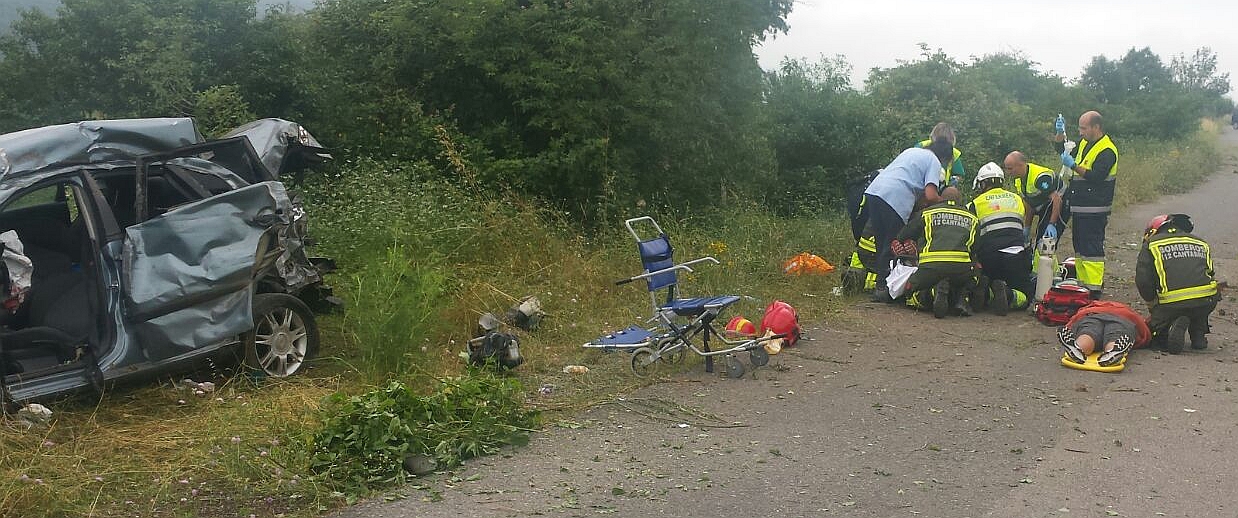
x=887 y=412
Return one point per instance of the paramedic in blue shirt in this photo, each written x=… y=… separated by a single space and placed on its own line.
x=912 y=180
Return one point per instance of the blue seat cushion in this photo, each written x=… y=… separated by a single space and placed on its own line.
x=696 y=306
x=633 y=336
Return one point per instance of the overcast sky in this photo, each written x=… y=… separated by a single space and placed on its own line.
x=1061 y=36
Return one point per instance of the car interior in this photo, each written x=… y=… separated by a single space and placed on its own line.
x=57 y=314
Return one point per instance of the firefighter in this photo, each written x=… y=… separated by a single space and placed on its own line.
x=1000 y=248
x=1175 y=276
x=1039 y=186
x=945 y=274
x=1089 y=196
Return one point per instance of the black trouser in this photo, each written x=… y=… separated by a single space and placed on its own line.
x=886 y=226
x=1163 y=315
x=960 y=275
x=1011 y=268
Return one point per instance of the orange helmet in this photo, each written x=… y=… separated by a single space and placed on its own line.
x=740 y=327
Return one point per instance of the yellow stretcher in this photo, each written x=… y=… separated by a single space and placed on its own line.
x=1092 y=365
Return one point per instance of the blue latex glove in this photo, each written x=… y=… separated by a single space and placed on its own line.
x=1059 y=125
x=1051 y=232
x=1068 y=161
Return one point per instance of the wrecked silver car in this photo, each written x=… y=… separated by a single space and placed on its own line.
x=137 y=246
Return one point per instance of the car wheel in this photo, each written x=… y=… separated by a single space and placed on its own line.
x=285 y=335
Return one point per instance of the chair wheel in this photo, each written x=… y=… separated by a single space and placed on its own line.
x=675 y=355
x=734 y=368
x=759 y=357
x=642 y=361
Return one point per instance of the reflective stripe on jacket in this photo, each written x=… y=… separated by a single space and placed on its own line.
x=999 y=221
x=1183 y=267
x=1093 y=196
x=949 y=231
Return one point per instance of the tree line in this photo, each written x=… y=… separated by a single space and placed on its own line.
x=589 y=105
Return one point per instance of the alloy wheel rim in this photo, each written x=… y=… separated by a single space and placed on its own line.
x=281 y=339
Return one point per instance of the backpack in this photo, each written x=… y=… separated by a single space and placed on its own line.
x=781 y=318
x=1061 y=302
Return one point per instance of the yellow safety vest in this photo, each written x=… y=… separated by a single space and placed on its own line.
x=1087 y=197
x=998 y=209
x=1030 y=192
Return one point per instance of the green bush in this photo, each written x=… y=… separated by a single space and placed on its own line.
x=365 y=439
x=393 y=304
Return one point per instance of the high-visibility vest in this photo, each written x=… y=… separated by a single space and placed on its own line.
x=1091 y=196
x=1029 y=190
x=1183 y=267
x=949 y=231
x=999 y=218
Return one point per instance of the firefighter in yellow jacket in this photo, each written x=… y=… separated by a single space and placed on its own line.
x=945 y=273
x=1094 y=163
x=1175 y=276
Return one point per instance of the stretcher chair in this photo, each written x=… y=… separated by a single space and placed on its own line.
x=678 y=325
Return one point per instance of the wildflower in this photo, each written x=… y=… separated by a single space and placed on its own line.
x=236 y=440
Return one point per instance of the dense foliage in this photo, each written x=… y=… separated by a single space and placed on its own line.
x=592 y=105
x=367 y=438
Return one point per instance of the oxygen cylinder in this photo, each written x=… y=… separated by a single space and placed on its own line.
x=1046 y=256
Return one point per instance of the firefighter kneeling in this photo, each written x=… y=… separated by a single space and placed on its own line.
x=1175 y=276
x=1000 y=247
x=945 y=274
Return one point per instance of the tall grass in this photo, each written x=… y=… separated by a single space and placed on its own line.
x=1150 y=168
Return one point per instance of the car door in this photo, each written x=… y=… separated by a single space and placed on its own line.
x=188 y=274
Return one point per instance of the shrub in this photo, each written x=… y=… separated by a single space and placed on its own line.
x=365 y=439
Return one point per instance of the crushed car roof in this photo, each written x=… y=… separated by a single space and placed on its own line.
x=123 y=140
x=86 y=142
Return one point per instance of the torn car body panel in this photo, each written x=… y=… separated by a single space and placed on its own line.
x=189 y=265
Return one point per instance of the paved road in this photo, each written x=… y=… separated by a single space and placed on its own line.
x=892 y=413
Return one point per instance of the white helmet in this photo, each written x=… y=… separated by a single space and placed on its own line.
x=989 y=170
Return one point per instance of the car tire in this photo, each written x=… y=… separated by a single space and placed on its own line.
x=285 y=335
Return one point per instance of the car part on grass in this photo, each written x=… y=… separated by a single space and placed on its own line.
x=526 y=314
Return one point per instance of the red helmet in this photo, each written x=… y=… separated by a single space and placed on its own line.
x=1181 y=222
x=1155 y=224
x=781 y=318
